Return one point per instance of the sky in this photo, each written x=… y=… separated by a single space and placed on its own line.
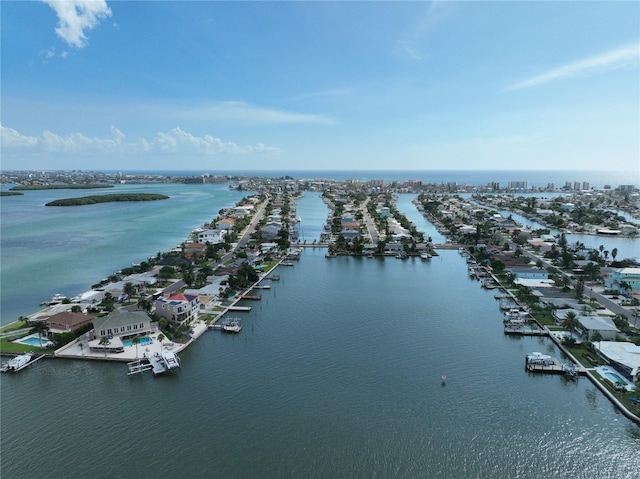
x=320 y=85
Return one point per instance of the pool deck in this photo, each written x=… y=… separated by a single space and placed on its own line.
x=79 y=349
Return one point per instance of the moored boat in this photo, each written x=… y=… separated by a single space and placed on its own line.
x=231 y=325
x=17 y=363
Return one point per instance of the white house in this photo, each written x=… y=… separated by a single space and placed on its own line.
x=179 y=308
x=212 y=236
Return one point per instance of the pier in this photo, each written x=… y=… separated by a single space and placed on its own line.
x=542 y=363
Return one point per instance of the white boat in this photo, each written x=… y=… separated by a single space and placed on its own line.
x=539 y=358
x=231 y=325
x=425 y=255
x=170 y=359
x=55 y=299
x=17 y=363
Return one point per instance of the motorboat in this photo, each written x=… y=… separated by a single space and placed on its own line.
x=170 y=360
x=17 y=363
x=231 y=325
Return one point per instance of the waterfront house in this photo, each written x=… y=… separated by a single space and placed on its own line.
x=179 y=308
x=590 y=325
x=195 y=248
x=619 y=276
x=66 y=322
x=123 y=324
x=350 y=234
x=623 y=355
x=212 y=236
x=393 y=248
x=226 y=224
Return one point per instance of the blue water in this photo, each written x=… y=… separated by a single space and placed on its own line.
x=336 y=373
x=33 y=341
x=615 y=378
x=46 y=250
x=143 y=341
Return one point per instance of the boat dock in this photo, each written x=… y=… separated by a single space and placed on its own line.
x=252 y=297
x=542 y=363
x=239 y=308
x=20 y=362
x=524 y=331
x=158 y=364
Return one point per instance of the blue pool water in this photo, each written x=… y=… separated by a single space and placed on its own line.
x=31 y=341
x=143 y=341
x=615 y=378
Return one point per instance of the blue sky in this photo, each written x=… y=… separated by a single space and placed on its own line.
x=320 y=85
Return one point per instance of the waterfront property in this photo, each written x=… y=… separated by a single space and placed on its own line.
x=117 y=325
x=178 y=308
x=625 y=356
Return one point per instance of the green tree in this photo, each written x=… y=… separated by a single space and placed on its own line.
x=104 y=341
x=570 y=322
x=129 y=289
x=40 y=327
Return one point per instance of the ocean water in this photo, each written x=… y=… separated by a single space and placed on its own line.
x=336 y=373
x=48 y=250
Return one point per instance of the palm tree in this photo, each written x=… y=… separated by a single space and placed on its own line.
x=103 y=342
x=570 y=321
x=161 y=338
x=40 y=327
x=136 y=341
x=614 y=253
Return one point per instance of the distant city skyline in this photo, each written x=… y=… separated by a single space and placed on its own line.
x=320 y=85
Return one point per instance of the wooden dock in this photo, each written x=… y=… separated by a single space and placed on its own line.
x=555 y=369
x=525 y=331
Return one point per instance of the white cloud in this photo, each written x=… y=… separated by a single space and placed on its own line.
x=10 y=138
x=175 y=141
x=178 y=140
x=77 y=16
x=621 y=57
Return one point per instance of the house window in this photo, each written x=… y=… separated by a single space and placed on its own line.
x=129 y=327
x=141 y=325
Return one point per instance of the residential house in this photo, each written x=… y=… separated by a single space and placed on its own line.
x=212 y=236
x=66 y=322
x=179 y=308
x=270 y=231
x=350 y=234
x=226 y=224
x=623 y=355
x=619 y=276
x=121 y=323
x=590 y=325
x=393 y=248
x=529 y=273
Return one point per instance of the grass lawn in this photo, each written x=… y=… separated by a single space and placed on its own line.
x=7 y=346
x=13 y=326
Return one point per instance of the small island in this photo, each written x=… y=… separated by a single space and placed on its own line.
x=11 y=193
x=92 y=200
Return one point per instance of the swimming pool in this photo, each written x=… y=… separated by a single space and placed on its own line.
x=615 y=378
x=143 y=341
x=31 y=341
